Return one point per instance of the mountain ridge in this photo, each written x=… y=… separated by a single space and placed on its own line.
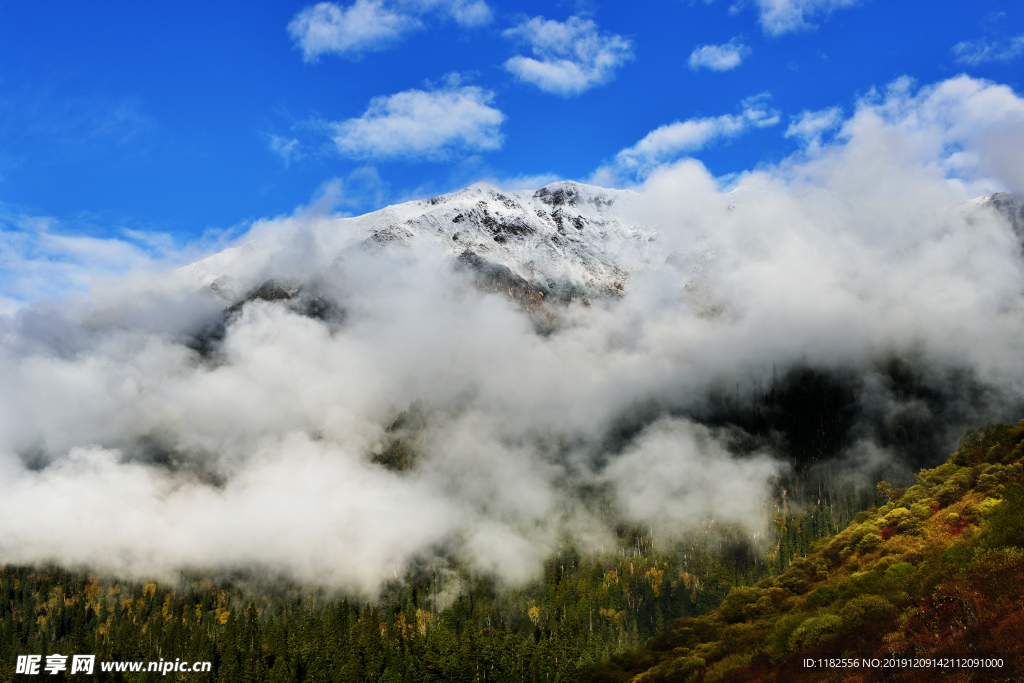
x=563 y=237
x=566 y=238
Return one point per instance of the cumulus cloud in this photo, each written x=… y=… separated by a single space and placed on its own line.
x=369 y=25
x=142 y=451
x=569 y=57
x=684 y=137
x=365 y=25
x=719 y=57
x=969 y=128
x=785 y=16
x=423 y=123
x=980 y=51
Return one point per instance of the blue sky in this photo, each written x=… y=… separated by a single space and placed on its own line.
x=158 y=123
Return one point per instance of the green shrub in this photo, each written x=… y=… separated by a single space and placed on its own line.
x=991 y=479
x=954 y=488
x=684 y=669
x=865 y=582
x=940 y=474
x=822 y=597
x=865 y=608
x=922 y=510
x=730 y=663
x=898 y=576
x=959 y=555
x=987 y=506
x=1004 y=525
x=977 y=444
x=763 y=607
x=860 y=532
x=778 y=640
x=869 y=543
x=910 y=497
x=731 y=609
x=903 y=521
x=814 y=631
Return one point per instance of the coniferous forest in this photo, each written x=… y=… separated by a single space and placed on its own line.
x=583 y=611
x=933 y=569
x=440 y=624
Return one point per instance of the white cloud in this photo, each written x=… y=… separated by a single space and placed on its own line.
x=810 y=126
x=980 y=51
x=784 y=16
x=368 y=25
x=38 y=260
x=568 y=57
x=364 y=25
x=971 y=129
x=682 y=137
x=464 y=12
x=676 y=471
x=719 y=57
x=833 y=261
x=525 y=181
x=286 y=148
x=418 y=123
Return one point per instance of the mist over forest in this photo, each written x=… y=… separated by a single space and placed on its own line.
x=338 y=415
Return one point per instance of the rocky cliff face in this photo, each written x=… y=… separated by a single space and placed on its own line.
x=1011 y=207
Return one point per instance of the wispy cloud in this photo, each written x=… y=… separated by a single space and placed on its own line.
x=370 y=25
x=786 y=16
x=464 y=12
x=289 y=149
x=980 y=51
x=719 y=57
x=569 y=57
x=87 y=121
x=682 y=137
x=810 y=126
x=41 y=260
x=430 y=124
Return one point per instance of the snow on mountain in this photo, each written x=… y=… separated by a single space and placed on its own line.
x=566 y=238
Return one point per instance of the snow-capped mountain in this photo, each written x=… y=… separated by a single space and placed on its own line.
x=566 y=240
x=563 y=239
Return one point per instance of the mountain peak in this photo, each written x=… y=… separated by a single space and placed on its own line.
x=566 y=236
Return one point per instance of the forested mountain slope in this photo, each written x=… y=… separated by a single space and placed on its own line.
x=934 y=573
x=936 y=576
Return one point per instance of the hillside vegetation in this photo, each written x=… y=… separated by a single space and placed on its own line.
x=443 y=624
x=932 y=570
x=937 y=573
x=440 y=624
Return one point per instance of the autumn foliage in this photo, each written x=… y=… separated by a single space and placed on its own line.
x=936 y=573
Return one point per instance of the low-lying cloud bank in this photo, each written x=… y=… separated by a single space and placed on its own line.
x=144 y=430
